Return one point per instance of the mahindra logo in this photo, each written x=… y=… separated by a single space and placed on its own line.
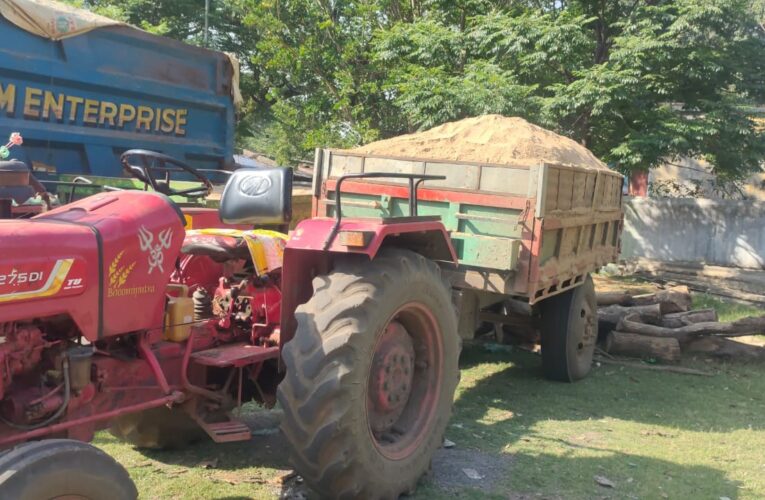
x=254 y=186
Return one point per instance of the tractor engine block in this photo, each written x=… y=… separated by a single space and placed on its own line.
x=20 y=351
x=250 y=303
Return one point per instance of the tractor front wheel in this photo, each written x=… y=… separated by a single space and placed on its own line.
x=62 y=468
x=371 y=375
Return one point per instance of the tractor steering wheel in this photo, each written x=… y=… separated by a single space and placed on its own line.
x=152 y=162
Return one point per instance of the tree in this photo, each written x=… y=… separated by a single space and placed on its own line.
x=315 y=61
x=635 y=81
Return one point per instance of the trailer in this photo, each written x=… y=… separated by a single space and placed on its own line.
x=84 y=89
x=526 y=237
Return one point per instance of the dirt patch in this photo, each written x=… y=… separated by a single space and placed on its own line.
x=487 y=139
x=455 y=469
x=452 y=470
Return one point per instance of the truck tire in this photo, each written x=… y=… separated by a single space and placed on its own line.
x=158 y=429
x=371 y=375
x=52 y=468
x=569 y=333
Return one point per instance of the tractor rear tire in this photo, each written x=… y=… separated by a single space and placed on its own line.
x=569 y=333
x=371 y=375
x=52 y=468
x=157 y=429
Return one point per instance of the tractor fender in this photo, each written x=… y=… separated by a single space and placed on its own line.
x=426 y=237
x=305 y=256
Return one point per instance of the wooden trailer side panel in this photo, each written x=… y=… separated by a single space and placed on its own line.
x=484 y=207
x=531 y=231
x=577 y=227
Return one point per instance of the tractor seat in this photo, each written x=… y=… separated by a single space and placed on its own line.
x=219 y=247
x=254 y=197
x=263 y=247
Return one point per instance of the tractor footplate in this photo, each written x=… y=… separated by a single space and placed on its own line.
x=226 y=431
x=236 y=355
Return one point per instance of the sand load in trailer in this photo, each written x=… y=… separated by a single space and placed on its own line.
x=530 y=213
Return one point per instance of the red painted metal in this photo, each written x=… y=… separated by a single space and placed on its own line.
x=21 y=351
x=398 y=431
x=187 y=385
x=299 y=268
x=145 y=349
x=423 y=194
x=139 y=235
x=198 y=271
x=311 y=234
x=391 y=376
x=100 y=270
x=236 y=355
x=226 y=432
x=84 y=271
x=7 y=440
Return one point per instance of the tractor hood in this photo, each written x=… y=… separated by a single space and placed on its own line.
x=105 y=261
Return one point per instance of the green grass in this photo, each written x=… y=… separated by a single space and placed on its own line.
x=651 y=433
x=726 y=310
x=655 y=435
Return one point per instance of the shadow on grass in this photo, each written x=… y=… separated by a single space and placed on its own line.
x=504 y=425
x=685 y=402
x=512 y=410
x=266 y=449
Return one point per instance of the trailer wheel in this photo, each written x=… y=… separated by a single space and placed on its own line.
x=371 y=375
x=53 y=468
x=158 y=428
x=569 y=333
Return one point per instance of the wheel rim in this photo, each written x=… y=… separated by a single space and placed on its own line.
x=404 y=381
x=585 y=328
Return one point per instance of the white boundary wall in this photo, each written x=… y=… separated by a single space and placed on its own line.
x=714 y=232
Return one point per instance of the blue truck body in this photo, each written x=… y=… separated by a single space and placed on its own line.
x=82 y=101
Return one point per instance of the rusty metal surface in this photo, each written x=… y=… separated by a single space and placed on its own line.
x=82 y=101
x=237 y=355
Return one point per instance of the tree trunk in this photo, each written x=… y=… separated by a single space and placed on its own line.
x=727 y=349
x=681 y=319
x=740 y=328
x=614 y=298
x=609 y=317
x=631 y=344
x=672 y=300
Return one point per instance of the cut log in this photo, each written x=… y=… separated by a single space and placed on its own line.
x=614 y=298
x=609 y=317
x=672 y=300
x=681 y=319
x=640 y=346
x=740 y=328
x=726 y=349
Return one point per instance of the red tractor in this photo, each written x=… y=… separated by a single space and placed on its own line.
x=113 y=316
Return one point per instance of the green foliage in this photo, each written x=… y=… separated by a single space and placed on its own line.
x=636 y=81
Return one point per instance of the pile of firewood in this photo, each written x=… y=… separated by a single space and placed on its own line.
x=662 y=326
